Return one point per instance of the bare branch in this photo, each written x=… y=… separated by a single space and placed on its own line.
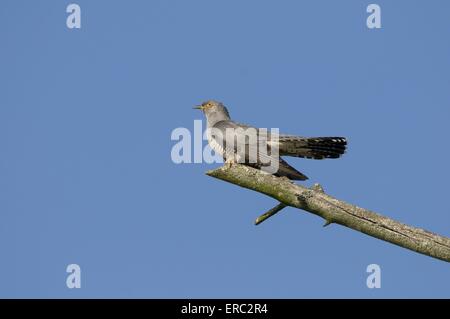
x=315 y=201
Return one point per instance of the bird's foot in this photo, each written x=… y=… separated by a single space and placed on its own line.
x=229 y=162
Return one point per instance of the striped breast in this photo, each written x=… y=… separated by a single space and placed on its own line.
x=218 y=148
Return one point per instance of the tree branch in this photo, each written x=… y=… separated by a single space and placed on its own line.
x=315 y=201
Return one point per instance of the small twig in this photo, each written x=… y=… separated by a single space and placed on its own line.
x=318 y=188
x=327 y=223
x=269 y=213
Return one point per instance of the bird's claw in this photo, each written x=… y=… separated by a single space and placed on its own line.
x=229 y=162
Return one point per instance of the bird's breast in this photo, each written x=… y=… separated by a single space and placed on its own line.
x=215 y=146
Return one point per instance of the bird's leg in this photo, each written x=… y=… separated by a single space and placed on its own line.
x=230 y=161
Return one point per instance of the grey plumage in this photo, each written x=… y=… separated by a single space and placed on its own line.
x=228 y=145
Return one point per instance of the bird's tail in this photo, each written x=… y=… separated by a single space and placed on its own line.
x=312 y=147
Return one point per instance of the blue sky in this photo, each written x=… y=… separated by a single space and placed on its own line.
x=86 y=116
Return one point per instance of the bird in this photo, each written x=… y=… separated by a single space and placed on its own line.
x=236 y=148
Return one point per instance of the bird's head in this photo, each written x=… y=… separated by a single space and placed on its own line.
x=214 y=110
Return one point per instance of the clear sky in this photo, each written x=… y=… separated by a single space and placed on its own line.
x=86 y=116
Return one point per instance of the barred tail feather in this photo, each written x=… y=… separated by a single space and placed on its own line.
x=312 y=147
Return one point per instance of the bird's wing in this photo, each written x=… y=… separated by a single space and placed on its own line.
x=242 y=140
x=287 y=170
x=251 y=146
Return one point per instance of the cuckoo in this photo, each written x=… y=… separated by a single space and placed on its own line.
x=226 y=137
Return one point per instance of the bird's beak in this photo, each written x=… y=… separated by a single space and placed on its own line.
x=198 y=107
